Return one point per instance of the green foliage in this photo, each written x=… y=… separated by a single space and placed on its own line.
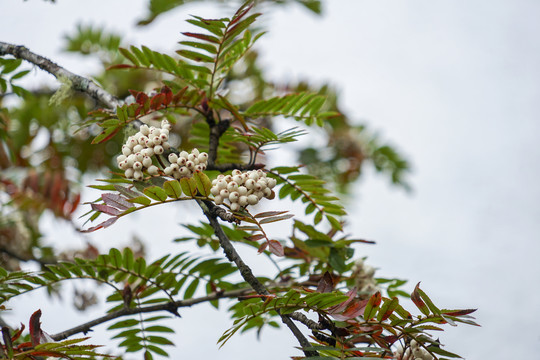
x=316 y=272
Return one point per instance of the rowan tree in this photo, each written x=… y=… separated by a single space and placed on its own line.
x=198 y=126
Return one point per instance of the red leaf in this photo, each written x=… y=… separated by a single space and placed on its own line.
x=165 y=90
x=103 y=225
x=18 y=333
x=340 y=307
x=269 y=213
x=263 y=247
x=353 y=310
x=417 y=300
x=458 y=312
x=208 y=38
x=255 y=237
x=276 y=248
x=106 y=209
x=120 y=66
x=141 y=98
x=326 y=284
x=116 y=201
x=35 y=327
x=157 y=101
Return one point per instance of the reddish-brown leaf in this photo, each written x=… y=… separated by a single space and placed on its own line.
x=141 y=98
x=458 y=312
x=35 y=327
x=120 y=66
x=340 y=307
x=417 y=300
x=276 y=248
x=263 y=247
x=116 y=201
x=326 y=284
x=103 y=225
x=165 y=90
x=106 y=209
x=269 y=213
x=256 y=237
x=205 y=37
x=157 y=101
x=355 y=309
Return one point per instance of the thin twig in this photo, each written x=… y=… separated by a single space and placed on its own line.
x=171 y=307
x=247 y=274
x=79 y=83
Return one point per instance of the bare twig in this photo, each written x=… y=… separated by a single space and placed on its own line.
x=247 y=274
x=79 y=83
x=171 y=307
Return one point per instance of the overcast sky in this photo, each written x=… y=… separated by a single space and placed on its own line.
x=454 y=85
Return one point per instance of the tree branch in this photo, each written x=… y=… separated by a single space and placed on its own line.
x=79 y=83
x=170 y=307
x=247 y=274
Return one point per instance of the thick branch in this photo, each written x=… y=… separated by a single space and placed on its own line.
x=170 y=306
x=247 y=274
x=216 y=130
x=79 y=83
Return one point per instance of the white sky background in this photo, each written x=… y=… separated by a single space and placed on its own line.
x=454 y=85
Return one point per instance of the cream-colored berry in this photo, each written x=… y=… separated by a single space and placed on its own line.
x=252 y=199
x=129 y=173
x=173 y=158
x=158 y=149
x=126 y=150
x=243 y=200
x=234 y=196
x=153 y=170
x=235 y=207
x=218 y=199
x=242 y=190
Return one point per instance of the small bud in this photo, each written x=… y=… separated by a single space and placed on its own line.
x=131 y=160
x=137 y=165
x=173 y=158
x=144 y=129
x=252 y=199
x=242 y=200
x=126 y=150
x=254 y=175
x=120 y=158
x=129 y=173
x=147 y=161
x=184 y=171
x=232 y=186
x=142 y=140
x=123 y=165
x=234 y=196
x=153 y=170
x=158 y=149
x=236 y=172
x=184 y=154
x=271 y=182
x=203 y=157
x=250 y=184
x=214 y=190
x=218 y=200
x=242 y=190
x=235 y=207
x=137 y=148
x=267 y=192
x=238 y=179
x=168 y=171
x=224 y=193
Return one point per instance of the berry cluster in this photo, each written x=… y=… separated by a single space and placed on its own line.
x=413 y=352
x=242 y=188
x=138 y=150
x=185 y=164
